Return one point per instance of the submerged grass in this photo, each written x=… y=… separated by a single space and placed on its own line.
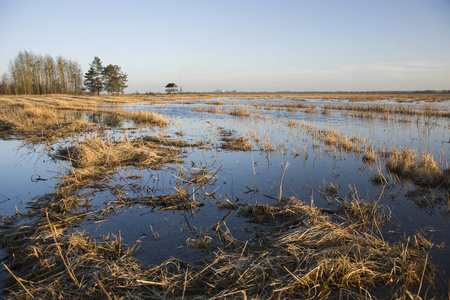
x=334 y=138
x=421 y=169
x=48 y=118
x=142 y=117
x=39 y=124
x=424 y=110
x=307 y=252
x=95 y=151
x=95 y=158
x=235 y=111
x=305 y=255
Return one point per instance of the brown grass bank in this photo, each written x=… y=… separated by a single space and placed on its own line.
x=48 y=118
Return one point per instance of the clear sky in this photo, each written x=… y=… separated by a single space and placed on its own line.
x=278 y=45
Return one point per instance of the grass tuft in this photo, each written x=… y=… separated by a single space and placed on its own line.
x=421 y=169
x=242 y=143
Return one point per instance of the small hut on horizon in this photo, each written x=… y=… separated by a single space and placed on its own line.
x=171 y=88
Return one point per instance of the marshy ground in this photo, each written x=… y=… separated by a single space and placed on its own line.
x=225 y=196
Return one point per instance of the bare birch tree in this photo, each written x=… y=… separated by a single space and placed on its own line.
x=37 y=74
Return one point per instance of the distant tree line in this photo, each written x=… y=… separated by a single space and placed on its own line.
x=110 y=78
x=31 y=73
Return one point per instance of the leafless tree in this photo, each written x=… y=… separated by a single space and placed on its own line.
x=37 y=74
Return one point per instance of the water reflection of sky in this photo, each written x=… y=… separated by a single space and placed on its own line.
x=21 y=167
x=304 y=178
x=252 y=177
x=421 y=132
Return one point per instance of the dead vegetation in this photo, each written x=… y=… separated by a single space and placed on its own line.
x=287 y=106
x=39 y=124
x=423 y=110
x=233 y=144
x=363 y=213
x=369 y=155
x=421 y=169
x=212 y=110
x=95 y=159
x=142 y=117
x=95 y=152
x=333 y=138
x=397 y=112
x=163 y=140
x=238 y=111
x=49 y=118
x=305 y=255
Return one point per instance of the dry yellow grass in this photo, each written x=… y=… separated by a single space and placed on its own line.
x=40 y=123
x=304 y=255
x=142 y=117
x=239 y=111
x=369 y=155
x=370 y=110
x=48 y=118
x=334 y=138
x=421 y=169
x=213 y=110
x=242 y=143
x=94 y=151
x=94 y=159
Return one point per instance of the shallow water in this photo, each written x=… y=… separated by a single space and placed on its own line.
x=252 y=176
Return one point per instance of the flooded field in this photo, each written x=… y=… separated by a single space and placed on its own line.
x=208 y=196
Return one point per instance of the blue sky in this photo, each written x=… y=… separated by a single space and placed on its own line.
x=242 y=45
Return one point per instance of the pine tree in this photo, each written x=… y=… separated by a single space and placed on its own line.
x=94 y=77
x=114 y=79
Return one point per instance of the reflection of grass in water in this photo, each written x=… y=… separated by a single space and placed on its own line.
x=305 y=254
x=427 y=199
x=421 y=169
x=235 y=111
x=42 y=119
x=39 y=123
x=329 y=189
x=95 y=158
x=143 y=117
x=424 y=110
x=292 y=107
x=378 y=178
